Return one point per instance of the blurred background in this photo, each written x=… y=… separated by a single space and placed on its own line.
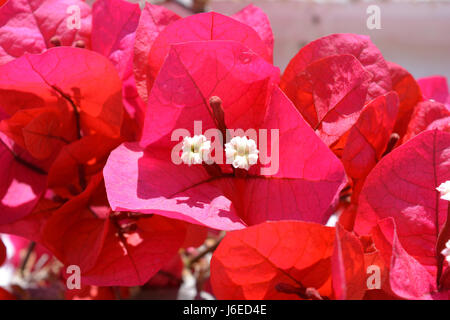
x=414 y=34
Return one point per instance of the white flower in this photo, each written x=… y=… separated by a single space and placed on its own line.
x=444 y=189
x=241 y=152
x=196 y=149
x=446 y=251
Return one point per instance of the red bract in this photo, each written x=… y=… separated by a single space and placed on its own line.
x=435 y=88
x=20 y=247
x=110 y=248
x=331 y=79
x=2 y=252
x=80 y=87
x=146 y=180
x=73 y=96
x=166 y=29
x=195 y=236
x=289 y=260
x=74 y=232
x=348 y=267
x=32 y=26
x=132 y=258
x=274 y=260
x=368 y=138
x=153 y=20
x=49 y=108
x=31 y=226
x=357 y=45
x=90 y=152
x=170 y=275
x=428 y=115
x=114 y=24
x=22 y=185
x=409 y=95
x=330 y=94
x=403 y=186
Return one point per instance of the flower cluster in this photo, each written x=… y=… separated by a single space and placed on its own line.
x=88 y=118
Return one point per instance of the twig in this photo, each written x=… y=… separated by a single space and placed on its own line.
x=30 y=250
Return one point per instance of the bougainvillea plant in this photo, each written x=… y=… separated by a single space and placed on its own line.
x=140 y=150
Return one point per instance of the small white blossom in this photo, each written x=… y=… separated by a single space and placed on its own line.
x=446 y=251
x=241 y=152
x=195 y=149
x=444 y=189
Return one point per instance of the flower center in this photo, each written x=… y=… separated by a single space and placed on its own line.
x=195 y=149
x=241 y=152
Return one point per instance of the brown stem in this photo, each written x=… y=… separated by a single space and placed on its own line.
x=24 y=162
x=81 y=177
x=81 y=173
x=55 y=41
x=218 y=115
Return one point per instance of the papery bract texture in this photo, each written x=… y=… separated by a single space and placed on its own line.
x=94 y=293
x=258 y=20
x=408 y=278
x=2 y=252
x=114 y=24
x=330 y=94
x=201 y=27
x=428 y=115
x=357 y=45
x=74 y=83
x=108 y=248
x=153 y=20
x=348 y=268
x=31 y=227
x=368 y=138
x=132 y=259
x=74 y=233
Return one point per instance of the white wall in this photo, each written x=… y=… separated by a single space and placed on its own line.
x=415 y=35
